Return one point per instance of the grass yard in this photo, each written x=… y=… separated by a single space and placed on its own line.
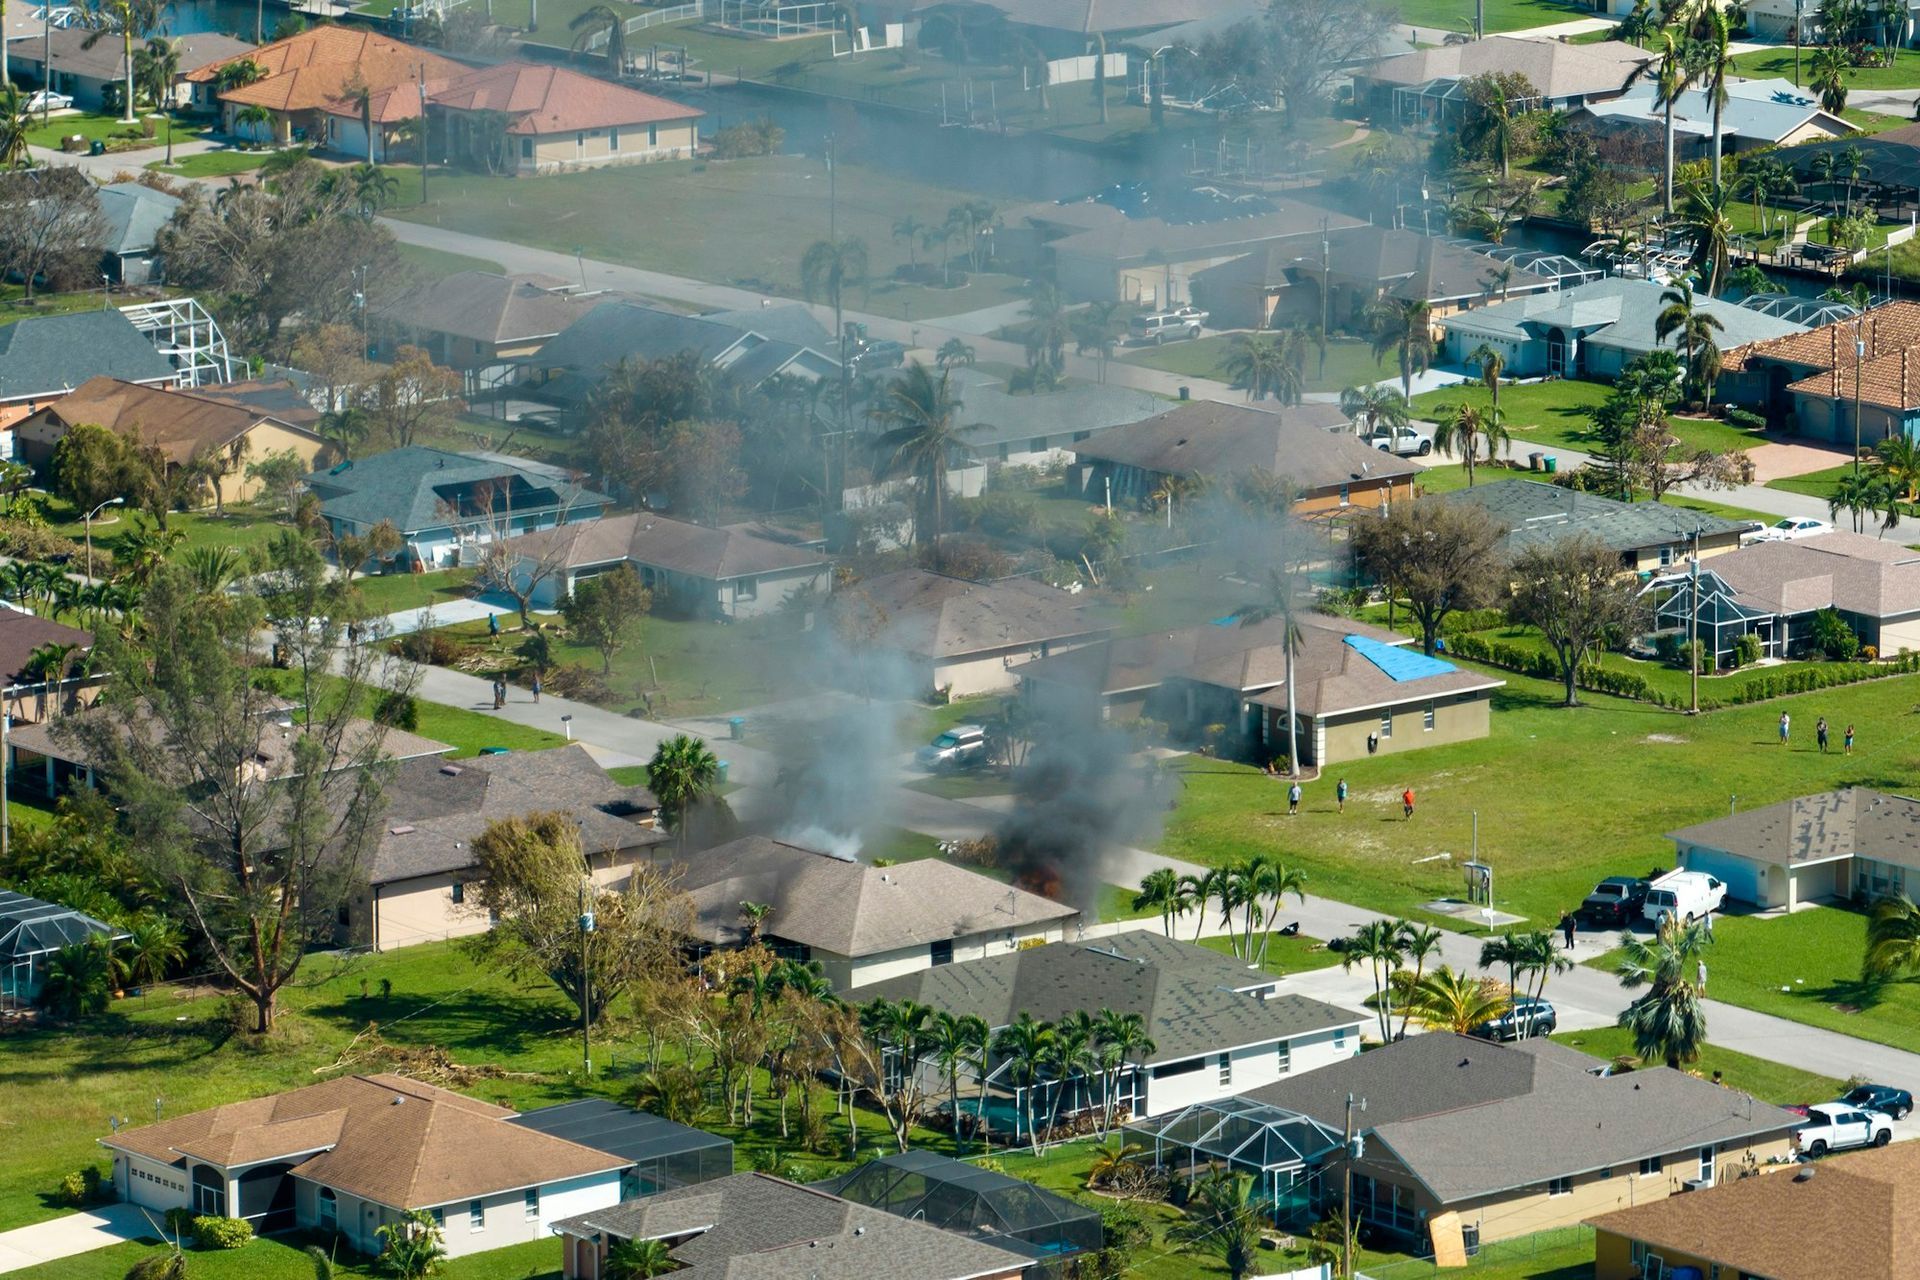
x=244 y=527
x=1767 y=1081
x=1669 y=680
x=439 y=262
x=1349 y=363
x=211 y=164
x=284 y=1258
x=739 y=222
x=1552 y=415
x=391 y=592
x=1769 y=63
x=111 y=130
x=1501 y=15
x=1602 y=782
x=1284 y=955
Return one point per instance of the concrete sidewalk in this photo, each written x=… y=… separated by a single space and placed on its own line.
x=72 y=1234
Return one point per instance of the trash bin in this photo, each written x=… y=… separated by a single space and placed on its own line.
x=720 y=772
x=1553 y=464
x=737 y=728
x=98 y=148
x=493 y=751
x=1536 y=460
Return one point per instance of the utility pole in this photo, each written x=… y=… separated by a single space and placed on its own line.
x=6 y=775
x=1693 y=630
x=586 y=985
x=1351 y=1149
x=423 y=135
x=1859 y=359
x=1326 y=285
x=833 y=194
x=1798 y=8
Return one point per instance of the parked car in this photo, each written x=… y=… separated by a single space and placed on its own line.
x=960 y=747
x=882 y=353
x=1615 y=902
x=1884 y=1098
x=47 y=100
x=1158 y=326
x=1526 y=1017
x=1835 y=1126
x=1683 y=895
x=1404 y=441
x=1792 y=528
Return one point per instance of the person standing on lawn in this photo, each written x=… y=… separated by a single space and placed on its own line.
x=1700 y=969
x=1406 y=802
x=1820 y=733
x=1340 y=795
x=1846 y=740
x=1786 y=727
x=1293 y=799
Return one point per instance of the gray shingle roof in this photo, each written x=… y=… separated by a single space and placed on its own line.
x=410 y=485
x=1869 y=576
x=48 y=355
x=1208 y=438
x=1557 y=70
x=852 y=908
x=135 y=213
x=1405 y=264
x=646 y=538
x=103 y=61
x=753 y=1226
x=1817 y=828
x=22 y=633
x=790 y=322
x=1137 y=239
x=1536 y=512
x=492 y=308
x=1763 y=111
x=996 y=416
x=1613 y=312
x=935 y=616
x=589 y=348
x=1470 y=1118
x=1194 y=1000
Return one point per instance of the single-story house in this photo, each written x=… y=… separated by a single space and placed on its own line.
x=1153 y=262
x=421 y=864
x=1845 y=844
x=1280 y=284
x=446 y=505
x=29 y=697
x=474 y=320
x=84 y=73
x=183 y=425
x=1465 y=1142
x=1649 y=536
x=1040 y=430
x=357 y=1153
x=1757 y=113
x=32 y=930
x=862 y=923
x=1852 y=1216
x=134 y=214
x=1220 y=1027
x=961 y=636
x=757 y=1225
x=1428 y=85
x=1358 y=689
x=660 y=1154
x=568 y=368
x=42 y=357
x=524 y=118
x=1592 y=329
x=690 y=568
x=1773 y=590
x=313 y=74
x=1023 y=241
x=1805 y=380
x=1309 y=444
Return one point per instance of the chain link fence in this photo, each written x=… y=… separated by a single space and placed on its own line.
x=1501 y=1257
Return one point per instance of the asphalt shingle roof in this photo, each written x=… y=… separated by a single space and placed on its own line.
x=50 y=355
x=1136 y=238
x=1763 y=111
x=134 y=212
x=1194 y=1001
x=1405 y=264
x=1872 y=577
x=1209 y=438
x=1817 y=828
x=411 y=487
x=935 y=616
x=647 y=538
x=1557 y=70
x=1621 y=313
x=1536 y=512
x=996 y=416
x=22 y=633
x=492 y=308
x=616 y=330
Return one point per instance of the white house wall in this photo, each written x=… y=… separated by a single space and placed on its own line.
x=846 y=973
x=1253 y=1066
x=965 y=676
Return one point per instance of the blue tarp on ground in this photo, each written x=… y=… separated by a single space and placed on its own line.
x=1401 y=663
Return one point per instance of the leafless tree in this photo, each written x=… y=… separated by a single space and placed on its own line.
x=49 y=218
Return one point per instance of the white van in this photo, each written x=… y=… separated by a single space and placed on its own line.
x=1683 y=896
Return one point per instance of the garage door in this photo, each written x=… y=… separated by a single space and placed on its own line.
x=1745 y=880
x=1895 y=636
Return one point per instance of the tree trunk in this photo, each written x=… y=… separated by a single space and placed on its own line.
x=1667 y=197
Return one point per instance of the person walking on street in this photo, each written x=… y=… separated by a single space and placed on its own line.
x=536 y=686
x=1846 y=740
x=1293 y=799
x=1567 y=927
x=1820 y=733
x=1786 y=727
x=1406 y=802
x=1340 y=795
x=499 y=693
x=1700 y=968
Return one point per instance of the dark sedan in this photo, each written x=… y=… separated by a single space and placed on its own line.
x=1884 y=1098
x=1527 y=1016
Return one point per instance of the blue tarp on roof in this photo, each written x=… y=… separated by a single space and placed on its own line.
x=1400 y=663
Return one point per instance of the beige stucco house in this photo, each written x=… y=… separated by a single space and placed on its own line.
x=557 y=120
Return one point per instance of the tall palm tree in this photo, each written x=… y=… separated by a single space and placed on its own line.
x=909 y=228
x=1852 y=168
x=1374 y=408
x=1681 y=315
x=1446 y=1000
x=1026 y=1044
x=682 y=772
x=1403 y=326
x=1540 y=958
x=955 y=351
x=1714 y=62
x=1893 y=939
x=1257 y=363
x=1504 y=949
x=950 y=1044
x=1667 y=1022
x=1491 y=365
x=155 y=68
x=1828 y=77
x=1096 y=331
x=1381 y=945
x=130 y=20
x=1121 y=1039
x=1466 y=430
x=920 y=414
x=591 y=22
x=1159 y=891
x=1073 y=1058
x=1274 y=881
x=1671 y=75
x=1862 y=492
x=1205 y=887
x=1711 y=231
x=1282 y=604
x=829 y=268
x=1422 y=943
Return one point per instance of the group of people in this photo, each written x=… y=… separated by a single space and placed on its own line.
x=1294 y=794
x=1821 y=734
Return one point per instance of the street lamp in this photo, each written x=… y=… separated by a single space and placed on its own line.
x=110 y=502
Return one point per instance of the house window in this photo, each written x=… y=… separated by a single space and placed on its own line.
x=1706 y=1164
x=1668 y=554
x=526 y=148
x=1226 y=1068
x=1650 y=1167
x=580 y=141
x=533 y=1204
x=476 y=1216
x=1037 y=445
x=1283 y=1057
x=942 y=951
x=1426 y=718
x=440 y=1218
x=1560 y=1187
x=746 y=589
x=613 y=139
x=1346 y=495
x=459 y=892
x=1339 y=1037
x=653 y=135
x=1386 y=722
x=345 y=915
x=329 y=1210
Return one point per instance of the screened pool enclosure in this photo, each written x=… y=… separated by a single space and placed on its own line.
x=956 y=1196
x=1282 y=1150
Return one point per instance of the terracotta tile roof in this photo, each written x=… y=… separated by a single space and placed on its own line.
x=385 y=1138
x=1890 y=327
x=555 y=100
x=1888 y=382
x=312 y=71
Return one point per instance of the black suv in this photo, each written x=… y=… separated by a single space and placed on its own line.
x=1614 y=903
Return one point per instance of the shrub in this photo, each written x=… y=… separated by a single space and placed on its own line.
x=179 y=1220
x=1832 y=636
x=73 y=1190
x=1745 y=418
x=430 y=648
x=1869 y=654
x=1746 y=650
x=222 y=1233
x=397 y=710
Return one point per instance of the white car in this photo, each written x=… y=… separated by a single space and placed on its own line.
x=1158 y=326
x=1793 y=528
x=47 y=100
x=1836 y=1126
x=1404 y=441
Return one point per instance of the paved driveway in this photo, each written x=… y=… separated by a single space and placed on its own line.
x=75 y=1233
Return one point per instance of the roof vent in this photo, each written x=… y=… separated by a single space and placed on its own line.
x=404 y=829
x=859 y=1231
x=451 y=770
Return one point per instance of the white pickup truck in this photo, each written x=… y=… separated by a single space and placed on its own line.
x=1404 y=441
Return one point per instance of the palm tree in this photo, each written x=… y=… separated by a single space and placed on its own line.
x=673 y=1093
x=1681 y=315
x=1403 y=326
x=1274 y=881
x=1159 y=891
x=257 y=123
x=1381 y=944
x=603 y=18
x=1893 y=939
x=1257 y=363
x=1711 y=231
x=78 y=981
x=1204 y=888
x=1422 y=943
x=1375 y=408
x=639 y=1260
x=1713 y=63
x=829 y=268
x=155 y=68
x=1495 y=128
x=1109 y=1159
x=954 y=351
x=16 y=123
x=1540 y=959
x=1898 y=458
x=238 y=74
x=1073 y=1058
x=1671 y=76
x=1492 y=364
x=153 y=945
x=682 y=773
x=1667 y=1022
x=1463 y=432
x=1504 y=949
x=1753 y=282
x=1027 y=1045
x=1445 y=1000
x=1048 y=327
x=1097 y=330
x=373 y=187
x=1860 y=492
x=1828 y=77
x=950 y=1041
x=1281 y=602
x=920 y=416
x=130 y=20
x=1121 y=1039
x=754 y=916
x=909 y=228
x=1019 y=51
x=1851 y=167
x=1225 y=1219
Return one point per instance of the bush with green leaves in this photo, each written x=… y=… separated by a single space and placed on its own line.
x=210 y=1232
x=411 y=1247
x=1832 y=636
x=1746 y=650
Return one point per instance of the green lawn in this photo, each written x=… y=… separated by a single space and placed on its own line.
x=1552 y=415
x=244 y=527
x=1670 y=680
x=1765 y=1080
x=392 y=592
x=110 y=130
x=1815 y=484
x=1284 y=955
x=1349 y=363
x=438 y=262
x=211 y=164
x=1563 y=796
x=1501 y=15
x=740 y=222
x=284 y=1258
x=1768 y=63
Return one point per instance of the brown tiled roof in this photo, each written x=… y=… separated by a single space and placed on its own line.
x=1890 y=328
x=22 y=633
x=181 y=424
x=1886 y=382
x=384 y=1138
x=1857 y=1216
x=313 y=69
x=933 y=615
x=547 y=99
x=492 y=308
x=1557 y=70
